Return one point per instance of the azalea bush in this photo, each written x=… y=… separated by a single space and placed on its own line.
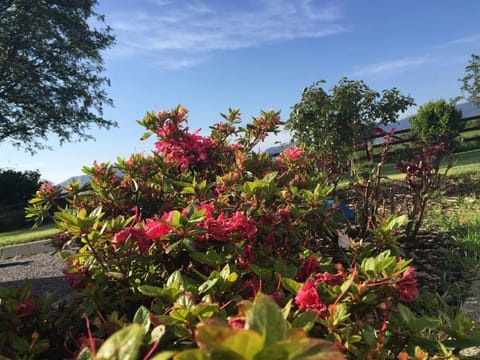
x=26 y=325
x=159 y=246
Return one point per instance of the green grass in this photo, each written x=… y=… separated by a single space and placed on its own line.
x=27 y=235
x=465 y=162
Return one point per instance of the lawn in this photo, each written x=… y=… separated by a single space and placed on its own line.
x=465 y=162
x=27 y=235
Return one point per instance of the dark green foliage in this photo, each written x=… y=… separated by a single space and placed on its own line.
x=471 y=81
x=50 y=71
x=16 y=188
x=436 y=118
x=337 y=123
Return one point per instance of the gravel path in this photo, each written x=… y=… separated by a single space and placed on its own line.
x=44 y=270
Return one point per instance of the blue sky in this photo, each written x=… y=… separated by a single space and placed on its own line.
x=209 y=55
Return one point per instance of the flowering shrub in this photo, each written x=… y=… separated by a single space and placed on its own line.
x=423 y=176
x=193 y=232
x=25 y=326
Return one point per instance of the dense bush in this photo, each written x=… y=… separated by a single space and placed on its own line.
x=436 y=118
x=341 y=121
x=16 y=188
x=205 y=248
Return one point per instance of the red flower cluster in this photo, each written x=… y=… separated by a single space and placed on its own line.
x=157 y=229
x=224 y=228
x=291 y=155
x=407 y=286
x=144 y=237
x=307 y=296
x=308 y=299
x=136 y=234
x=181 y=147
x=48 y=190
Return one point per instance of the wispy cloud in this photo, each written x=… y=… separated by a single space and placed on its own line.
x=471 y=39
x=186 y=32
x=390 y=67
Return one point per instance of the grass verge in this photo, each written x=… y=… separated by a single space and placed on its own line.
x=25 y=236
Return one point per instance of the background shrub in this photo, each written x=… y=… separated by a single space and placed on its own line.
x=436 y=118
x=16 y=188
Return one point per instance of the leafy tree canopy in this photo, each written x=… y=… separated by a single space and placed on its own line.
x=471 y=81
x=436 y=118
x=336 y=123
x=17 y=187
x=50 y=71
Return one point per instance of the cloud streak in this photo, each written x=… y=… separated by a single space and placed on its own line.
x=180 y=32
x=390 y=67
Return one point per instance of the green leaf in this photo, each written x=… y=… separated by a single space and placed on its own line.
x=225 y=272
x=204 y=310
x=85 y=354
x=220 y=338
x=157 y=333
x=270 y=177
x=165 y=355
x=210 y=258
x=19 y=344
x=397 y=222
x=182 y=315
x=291 y=285
x=175 y=280
x=305 y=320
x=244 y=343
x=207 y=285
x=188 y=190
x=265 y=317
x=195 y=354
x=311 y=349
x=150 y=290
x=124 y=344
x=142 y=317
x=263 y=273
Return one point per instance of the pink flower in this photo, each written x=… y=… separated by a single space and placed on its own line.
x=26 y=307
x=407 y=285
x=237 y=322
x=291 y=155
x=181 y=147
x=223 y=228
x=157 y=229
x=244 y=226
x=308 y=299
x=209 y=207
x=138 y=235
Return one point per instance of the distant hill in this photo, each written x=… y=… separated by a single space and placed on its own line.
x=84 y=179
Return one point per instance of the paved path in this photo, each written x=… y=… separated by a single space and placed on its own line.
x=36 y=263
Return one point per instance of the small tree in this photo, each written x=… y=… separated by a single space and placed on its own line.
x=50 y=71
x=17 y=187
x=343 y=121
x=471 y=81
x=436 y=118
